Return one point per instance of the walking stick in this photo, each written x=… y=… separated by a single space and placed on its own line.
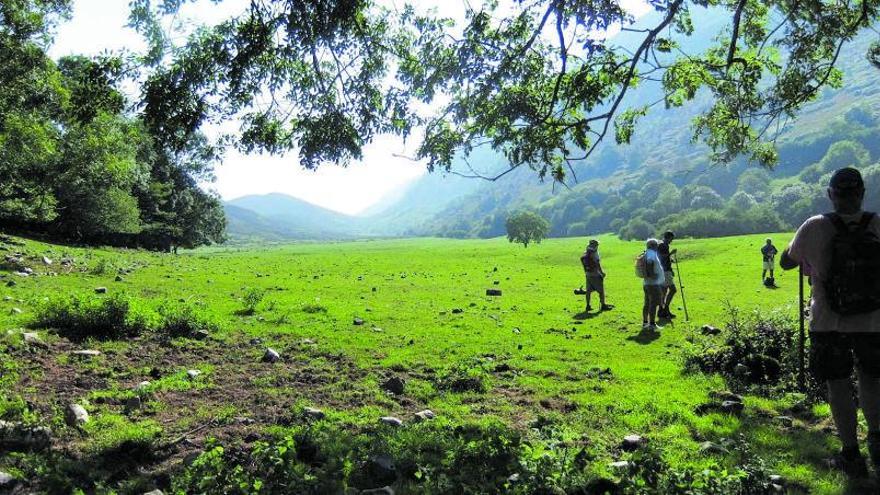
x=802 y=333
x=681 y=289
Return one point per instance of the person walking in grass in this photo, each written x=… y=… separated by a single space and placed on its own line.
x=840 y=252
x=595 y=275
x=669 y=290
x=651 y=271
x=768 y=251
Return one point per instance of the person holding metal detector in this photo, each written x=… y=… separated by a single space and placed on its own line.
x=666 y=254
x=592 y=264
x=840 y=252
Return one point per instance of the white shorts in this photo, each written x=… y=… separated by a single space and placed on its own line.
x=768 y=265
x=669 y=279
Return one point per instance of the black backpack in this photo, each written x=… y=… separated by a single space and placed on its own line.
x=853 y=283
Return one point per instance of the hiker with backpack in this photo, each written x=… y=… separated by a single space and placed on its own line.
x=592 y=264
x=669 y=290
x=650 y=270
x=768 y=252
x=840 y=251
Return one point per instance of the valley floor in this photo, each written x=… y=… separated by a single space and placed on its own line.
x=346 y=318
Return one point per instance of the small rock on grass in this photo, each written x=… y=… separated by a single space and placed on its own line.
x=119 y=278
x=391 y=421
x=619 y=465
x=6 y=481
x=133 y=403
x=271 y=356
x=86 y=353
x=358 y=321
x=154 y=492
x=732 y=407
x=712 y=448
x=100 y=290
x=493 y=292
x=32 y=338
x=15 y=311
x=193 y=374
x=425 y=415
x=75 y=415
x=142 y=386
x=385 y=490
x=313 y=413
x=632 y=442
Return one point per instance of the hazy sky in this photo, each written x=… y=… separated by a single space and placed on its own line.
x=99 y=25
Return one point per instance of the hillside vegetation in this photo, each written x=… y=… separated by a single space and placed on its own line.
x=530 y=394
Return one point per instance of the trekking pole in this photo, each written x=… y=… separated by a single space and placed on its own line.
x=802 y=333
x=681 y=289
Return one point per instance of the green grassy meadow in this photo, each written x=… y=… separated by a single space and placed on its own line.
x=538 y=357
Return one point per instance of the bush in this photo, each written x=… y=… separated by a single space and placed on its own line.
x=79 y=318
x=252 y=298
x=756 y=353
x=184 y=321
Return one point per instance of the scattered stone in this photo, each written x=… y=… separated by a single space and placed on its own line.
x=425 y=415
x=358 y=321
x=256 y=341
x=100 y=290
x=133 y=403
x=86 y=353
x=726 y=395
x=787 y=421
x=457 y=311
x=710 y=330
x=201 y=334
x=15 y=311
x=391 y=421
x=22 y=274
x=6 y=481
x=619 y=465
x=382 y=469
x=385 y=490
x=155 y=373
x=252 y=437
x=493 y=292
x=28 y=270
x=513 y=478
x=732 y=407
x=271 y=356
x=741 y=370
x=395 y=385
x=17 y=436
x=7 y=298
x=32 y=338
x=632 y=442
x=46 y=261
x=154 y=492
x=119 y=278
x=502 y=368
x=76 y=415
x=193 y=374
x=777 y=479
x=244 y=420
x=142 y=386
x=712 y=448
x=306 y=342
x=313 y=413
x=11 y=283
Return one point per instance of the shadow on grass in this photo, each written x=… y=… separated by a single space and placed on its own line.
x=585 y=315
x=645 y=337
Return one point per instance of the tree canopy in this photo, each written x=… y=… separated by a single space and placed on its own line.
x=539 y=81
x=75 y=162
x=526 y=227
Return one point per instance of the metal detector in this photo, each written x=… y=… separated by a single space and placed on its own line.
x=681 y=288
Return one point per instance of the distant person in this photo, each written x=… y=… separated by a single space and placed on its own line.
x=649 y=268
x=669 y=289
x=768 y=251
x=595 y=275
x=840 y=252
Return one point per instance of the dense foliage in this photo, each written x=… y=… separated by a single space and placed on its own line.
x=526 y=81
x=75 y=162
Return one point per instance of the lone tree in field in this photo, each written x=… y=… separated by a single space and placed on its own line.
x=525 y=227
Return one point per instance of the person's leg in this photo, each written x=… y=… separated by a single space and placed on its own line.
x=869 y=400
x=670 y=293
x=645 y=306
x=589 y=296
x=764 y=274
x=843 y=410
x=602 y=298
x=654 y=304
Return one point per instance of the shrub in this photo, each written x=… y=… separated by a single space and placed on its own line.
x=251 y=299
x=184 y=321
x=469 y=376
x=757 y=352
x=79 y=317
x=314 y=309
